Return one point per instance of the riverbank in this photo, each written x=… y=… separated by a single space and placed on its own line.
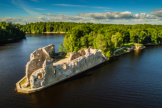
x=127 y=51
x=11 y=40
x=134 y=48
x=48 y=71
x=152 y=44
x=126 y=74
x=47 y=32
x=32 y=90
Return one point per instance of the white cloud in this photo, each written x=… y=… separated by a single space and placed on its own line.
x=108 y=18
x=64 y=17
x=117 y=15
x=31 y=12
x=14 y=20
x=108 y=15
x=49 y=14
x=70 y=5
x=39 y=9
x=157 y=13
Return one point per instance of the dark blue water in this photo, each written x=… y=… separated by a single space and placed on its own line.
x=131 y=80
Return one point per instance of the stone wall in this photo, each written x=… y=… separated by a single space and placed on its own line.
x=44 y=53
x=74 y=55
x=51 y=74
x=32 y=66
x=37 y=58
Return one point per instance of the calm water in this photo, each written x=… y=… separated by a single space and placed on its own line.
x=131 y=80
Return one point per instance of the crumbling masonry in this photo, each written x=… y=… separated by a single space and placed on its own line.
x=42 y=69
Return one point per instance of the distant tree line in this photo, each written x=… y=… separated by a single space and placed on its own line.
x=109 y=37
x=10 y=32
x=106 y=37
x=40 y=27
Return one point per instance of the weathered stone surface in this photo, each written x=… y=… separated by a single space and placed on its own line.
x=50 y=49
x=37 y=78
x=37 y=58
x=82 y=52
x=74 y=55
x=93 y=51
x=44 y=53
x=32 y=66
x=86 y=51
x=44 y=73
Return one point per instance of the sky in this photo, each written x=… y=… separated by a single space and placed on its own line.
x=93 y=11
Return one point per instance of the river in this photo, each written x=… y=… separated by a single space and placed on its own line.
x=131 y=80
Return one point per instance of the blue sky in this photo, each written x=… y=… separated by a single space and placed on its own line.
x=95 y=11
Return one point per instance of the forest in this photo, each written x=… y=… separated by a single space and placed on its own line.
x=40 y=27
x=10 y=32
x=109 y=37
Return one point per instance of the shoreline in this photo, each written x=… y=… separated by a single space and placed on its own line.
x=27 y=91
x=128 y=51
x=11 y=41
x=46 y=32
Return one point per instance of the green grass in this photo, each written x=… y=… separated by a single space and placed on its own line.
x=67 y=55
x=129 y=45
x=23 y=82
x=138 y=44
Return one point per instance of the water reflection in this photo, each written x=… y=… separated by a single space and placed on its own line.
x=130 y=80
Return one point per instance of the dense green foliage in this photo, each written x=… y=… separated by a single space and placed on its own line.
x=108 y=37
x=10 y=32
x=40 y=27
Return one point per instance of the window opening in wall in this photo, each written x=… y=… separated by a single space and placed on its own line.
x=40 y=76
x=35 y=79
x=55 y=72
x=37 y=53
x=64 y=66
x=76 y=63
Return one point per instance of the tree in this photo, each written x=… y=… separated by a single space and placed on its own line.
x=101 y=43
x=61 y=48
x=117 y=39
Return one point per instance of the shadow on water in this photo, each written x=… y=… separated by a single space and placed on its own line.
x=88 y=73
x=130 y=80
x=11 y=41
